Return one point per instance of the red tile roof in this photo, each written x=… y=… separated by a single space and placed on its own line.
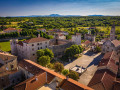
x=102 y=79
x=20 y=43
x=116 y=85
x=109 y=62
x=8 y=29
x=32 y=83
x=70 y=84
x=30 y=67
x=38 y=39
x=116 y=43
x=41 y=29
x=6 y=56
x=87 y=42
x=27 y=64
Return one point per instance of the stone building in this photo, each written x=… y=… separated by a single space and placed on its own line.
x=76 y=38
x=9 y=30
x=27 y=49
x=42 y=29
x=112 y=32
x=58 y=46
x=41 y=78
x=9 y=73
x=89 y=37
x=111 y=44
x=7 y=62
x=105 y=76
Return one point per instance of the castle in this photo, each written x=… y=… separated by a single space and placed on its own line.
x=27 y=49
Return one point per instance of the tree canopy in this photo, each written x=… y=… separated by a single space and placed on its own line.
x=45 y=52
x=44 y=60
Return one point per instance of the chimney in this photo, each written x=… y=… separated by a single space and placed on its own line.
x=67 y=77
x=38 y=35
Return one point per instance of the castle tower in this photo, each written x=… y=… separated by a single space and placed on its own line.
x=77 y=38
x=112 y=32
x=13 y=45
x=94 y=38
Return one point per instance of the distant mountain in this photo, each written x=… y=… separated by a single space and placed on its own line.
x=55 y=15
x=95 y=15
x=51 y=15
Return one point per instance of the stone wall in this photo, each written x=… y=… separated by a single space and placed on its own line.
x=58 y=50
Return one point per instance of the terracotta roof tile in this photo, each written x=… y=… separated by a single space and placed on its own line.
x=109 y=61
x=51 y=74
x=38 y=39
x=105 y=77
x=20 y=43
x=30 y=67
x=32 y=83
x=116 y=85
x=116 y=43
x=71 y=84
x=87 y=42
x=8 y=29
x=6 y=56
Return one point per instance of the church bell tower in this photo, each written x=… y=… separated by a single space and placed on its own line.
x=112 y=32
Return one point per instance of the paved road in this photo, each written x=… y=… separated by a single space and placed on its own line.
x=87 y=59
x=90 y=61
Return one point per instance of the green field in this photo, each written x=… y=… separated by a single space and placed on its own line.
x=5 y=46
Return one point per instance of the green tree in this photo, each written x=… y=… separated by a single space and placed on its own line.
x=49 y=53
x=74 y=75
x=40 y=53
x=45 y=52
x=65 y=72
x=98 y=49
x=73 y=50
x=44 y=60
x=58 y=67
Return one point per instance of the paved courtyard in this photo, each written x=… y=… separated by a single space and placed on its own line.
x=88 y=60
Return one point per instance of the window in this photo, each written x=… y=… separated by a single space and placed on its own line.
x=45 y=42
x=33 y=54
x=3 y=85
x=2 y=79
x=12 y=66
x=38 y=48
x=32 y=44
x=38 y=44
x=46 y=46
x=32 y=49
x=18 y=79
x=41 y=47
x=13 y=81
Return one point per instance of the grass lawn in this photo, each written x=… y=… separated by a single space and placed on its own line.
x=5 y=46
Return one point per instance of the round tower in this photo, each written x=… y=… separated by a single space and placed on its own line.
x=13 y=44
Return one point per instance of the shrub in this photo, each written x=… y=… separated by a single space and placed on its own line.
x=44 y=60
x=74 y=75
x=58 y=67
x=65 y=72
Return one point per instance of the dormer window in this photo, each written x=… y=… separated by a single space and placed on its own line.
x=32 y=44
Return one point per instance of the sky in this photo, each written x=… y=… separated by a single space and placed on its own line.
x=62 y=7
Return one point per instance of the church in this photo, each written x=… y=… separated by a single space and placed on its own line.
x=112 y=44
